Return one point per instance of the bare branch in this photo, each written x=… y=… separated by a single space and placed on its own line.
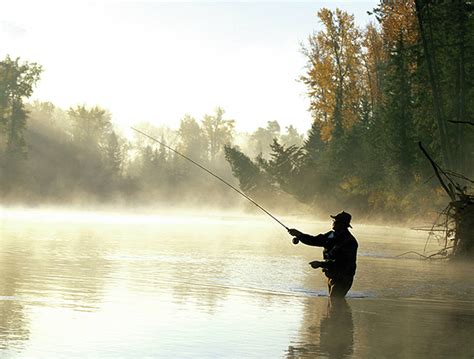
x=463 y=122
x=436 y=170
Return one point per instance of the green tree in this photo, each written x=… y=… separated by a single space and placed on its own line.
x=447 y=38
x=315 y=163
x=262 y=138
x=284 y=168
x=398 y=116
x=97 y=150
x=114 y=155
x=218 y=132
x=91 y=127
x=192 y=140
x=291 y=137
x=251 y=179
x=17 y=81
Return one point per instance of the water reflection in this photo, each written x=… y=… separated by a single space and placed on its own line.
x=337 y=329
x=14 y=324
x=327 y=332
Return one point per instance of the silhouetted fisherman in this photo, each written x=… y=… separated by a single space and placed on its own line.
x=340 y=253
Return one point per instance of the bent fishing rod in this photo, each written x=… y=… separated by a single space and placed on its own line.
x=212 y=174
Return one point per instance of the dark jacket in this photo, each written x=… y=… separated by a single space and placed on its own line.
x=340 y=252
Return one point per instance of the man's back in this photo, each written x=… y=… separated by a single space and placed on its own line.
x=340 y=251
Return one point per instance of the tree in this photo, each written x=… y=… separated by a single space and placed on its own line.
x=336 y=80
x=114 y=154
x=217 y=131
x=42 y=112
x=251 y=179
x=284 y=167
x=17 y=81
x=91 y=127
x=292 y=137
x=262 y=138
x=97 y=149
x=447 y=36
x=399 y=115
x=333 y=72
x=192 y=141
x=373 y=59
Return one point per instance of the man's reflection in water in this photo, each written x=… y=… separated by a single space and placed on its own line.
x=336 y=333
x=337 y=329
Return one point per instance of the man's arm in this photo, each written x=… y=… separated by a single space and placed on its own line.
x=319 y=241
x=322 y=264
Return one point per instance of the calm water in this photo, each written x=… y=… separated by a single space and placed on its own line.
x=98 y=285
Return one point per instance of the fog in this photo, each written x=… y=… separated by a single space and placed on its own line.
x=78 y=158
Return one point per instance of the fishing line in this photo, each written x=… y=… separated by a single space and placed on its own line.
x=212 y=174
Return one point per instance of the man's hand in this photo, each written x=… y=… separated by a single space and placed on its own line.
x=294 y=232
x=316 y=264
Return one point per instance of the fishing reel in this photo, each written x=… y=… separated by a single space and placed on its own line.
x=296 y=240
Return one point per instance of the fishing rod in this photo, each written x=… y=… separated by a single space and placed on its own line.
x=212 y=174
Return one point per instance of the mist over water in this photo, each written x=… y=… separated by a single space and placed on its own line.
x=121 y=285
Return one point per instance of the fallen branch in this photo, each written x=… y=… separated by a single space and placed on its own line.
x=410 y=252
x=442 y=253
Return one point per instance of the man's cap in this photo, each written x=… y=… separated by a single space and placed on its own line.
x=343 y=217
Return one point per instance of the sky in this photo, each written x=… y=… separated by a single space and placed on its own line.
x=156 y=61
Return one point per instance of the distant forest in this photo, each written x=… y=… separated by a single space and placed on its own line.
x=374 y=93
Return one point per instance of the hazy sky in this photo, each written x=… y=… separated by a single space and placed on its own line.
x=155 y=61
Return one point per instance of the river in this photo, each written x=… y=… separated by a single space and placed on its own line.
x=83 y=284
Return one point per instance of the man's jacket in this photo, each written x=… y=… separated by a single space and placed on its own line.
x=340 y=252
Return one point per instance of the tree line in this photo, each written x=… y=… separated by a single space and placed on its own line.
x=374 y=94
x=54 y=155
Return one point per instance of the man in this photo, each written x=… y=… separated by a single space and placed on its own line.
x=340 y=252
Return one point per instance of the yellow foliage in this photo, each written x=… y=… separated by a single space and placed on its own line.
x=334 y=69
x=399 y=20
x=373 y=56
